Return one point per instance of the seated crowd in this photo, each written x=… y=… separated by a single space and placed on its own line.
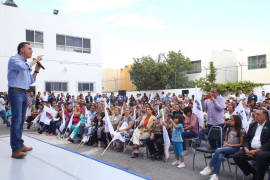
x=142 y=120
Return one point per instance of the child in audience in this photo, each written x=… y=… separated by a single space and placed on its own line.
x=177 y=140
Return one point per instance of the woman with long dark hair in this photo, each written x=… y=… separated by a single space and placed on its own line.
x=233 y=141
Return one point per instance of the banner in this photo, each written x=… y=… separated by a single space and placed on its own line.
x=239 y=110
x=166 y=138
x=197 y=107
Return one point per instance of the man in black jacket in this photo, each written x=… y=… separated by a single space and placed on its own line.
x=88 y=98
x=256 y=146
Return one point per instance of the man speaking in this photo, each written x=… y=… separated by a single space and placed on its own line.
x=19 y=81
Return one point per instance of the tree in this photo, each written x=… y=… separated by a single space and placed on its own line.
x=213 y=73
x=178 y=66
x=168 y=71
x=147 y=74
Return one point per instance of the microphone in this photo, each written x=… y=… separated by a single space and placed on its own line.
x=39 y=64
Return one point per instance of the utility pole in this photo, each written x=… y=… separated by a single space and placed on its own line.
x=241 y=65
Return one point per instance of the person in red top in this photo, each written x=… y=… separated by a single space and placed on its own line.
x=191 y=126
x=68 y=113
x=77 y=114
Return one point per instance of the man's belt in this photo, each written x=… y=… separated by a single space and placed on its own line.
x=20 y=89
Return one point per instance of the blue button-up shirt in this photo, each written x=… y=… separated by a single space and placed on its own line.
x=19 y=73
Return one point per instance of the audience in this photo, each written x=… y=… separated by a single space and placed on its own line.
x=138 y=120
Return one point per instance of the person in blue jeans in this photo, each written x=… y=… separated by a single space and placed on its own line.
x=177 y=140
x=233 y=141
x=3 y=114
x=19 y=81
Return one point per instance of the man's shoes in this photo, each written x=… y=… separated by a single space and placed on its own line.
x=25 y=149
x=18 y=154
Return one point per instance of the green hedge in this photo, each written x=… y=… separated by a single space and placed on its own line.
x=245 y=86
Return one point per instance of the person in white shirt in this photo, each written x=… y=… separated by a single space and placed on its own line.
x=256 y=146
x=45 y=97
x=262 y=97
x=241 y=97
x=232 y=97
x=3 y=111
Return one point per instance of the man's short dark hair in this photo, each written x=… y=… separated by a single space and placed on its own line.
x=21 y=45
x=216 y=89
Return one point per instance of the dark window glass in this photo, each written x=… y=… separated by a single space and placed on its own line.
x=91 y=87
x=86 y=43
x=29 y=36
x=257 y=62
x=60 y=40
x=196 y=67
x=69 y=41
x=56 y=86
x=38 y=36
x=85 y=87
x=77 y=42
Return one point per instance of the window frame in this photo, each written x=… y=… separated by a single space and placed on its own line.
x=254 y=62
x=192 y=71
x=81 y=89
x=34 y=43
x=73 y=48
x=53 y=90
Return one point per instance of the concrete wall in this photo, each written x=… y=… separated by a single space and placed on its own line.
x=110 y=80
x=224 y=60
x=125 y=82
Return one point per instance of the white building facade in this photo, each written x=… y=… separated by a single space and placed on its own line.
x=71 y=50
x=254 y=64
x=225 y=62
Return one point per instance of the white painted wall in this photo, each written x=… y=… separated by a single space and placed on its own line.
x=254 y=75
x=15 y=21
x=225 y=61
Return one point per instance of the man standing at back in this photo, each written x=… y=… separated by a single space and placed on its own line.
x=214 y=106
x=19 y=81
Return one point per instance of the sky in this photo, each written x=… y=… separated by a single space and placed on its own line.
x=135 y=28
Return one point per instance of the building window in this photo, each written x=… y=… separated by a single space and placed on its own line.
x=74 y=44
x=85 y=86
x=35 y=38
x=257 y=62
x=56 y=86
x=196 y=67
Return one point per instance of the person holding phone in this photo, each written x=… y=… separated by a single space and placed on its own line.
x=214 y=104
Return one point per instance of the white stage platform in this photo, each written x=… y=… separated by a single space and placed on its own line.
x=51 y=162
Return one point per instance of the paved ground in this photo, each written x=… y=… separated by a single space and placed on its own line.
x=157 y=170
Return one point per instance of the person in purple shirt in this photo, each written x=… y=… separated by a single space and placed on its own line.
x=214 y=106
x=19 y=81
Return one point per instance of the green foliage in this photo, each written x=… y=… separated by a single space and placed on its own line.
x=245 y=86
x=213 y=73
x=206 y=84
x=167 y=71
x=148 y=74
x=178 y=66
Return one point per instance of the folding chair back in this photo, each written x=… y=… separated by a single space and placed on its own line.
x=215 y=134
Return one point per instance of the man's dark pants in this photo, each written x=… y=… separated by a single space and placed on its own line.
x=262 y=160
